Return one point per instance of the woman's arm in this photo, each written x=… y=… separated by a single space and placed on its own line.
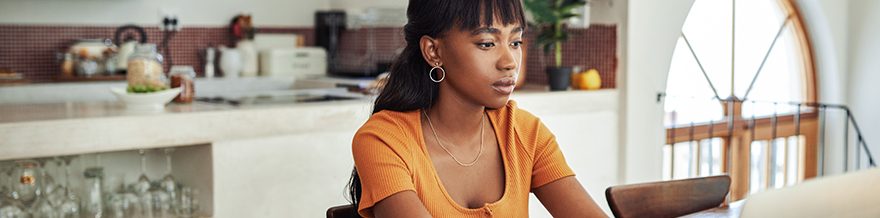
x=401 y=204
x=566 y=197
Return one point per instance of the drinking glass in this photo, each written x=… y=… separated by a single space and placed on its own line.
x=168 y=184
x=161 y=203
x=93 y=201
x=27 y=188
x=47 y=184
x=44 y=207
x=189 y=206
x=58 y=194
x=11 y=207
x=143 y=183
x=69 y=205
x=142 y=189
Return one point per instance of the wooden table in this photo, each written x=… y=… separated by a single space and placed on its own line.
x=731 y=210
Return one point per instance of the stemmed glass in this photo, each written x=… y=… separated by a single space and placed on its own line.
x=142 y=189
x=69 y=204
x=168 y=184
x=11 y=207
x=143 y=183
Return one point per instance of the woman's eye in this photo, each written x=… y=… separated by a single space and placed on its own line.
x=516 y=44
x=486 y=45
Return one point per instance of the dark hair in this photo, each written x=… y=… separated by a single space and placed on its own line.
x=408 y=87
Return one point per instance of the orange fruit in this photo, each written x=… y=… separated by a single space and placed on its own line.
x=590 y=80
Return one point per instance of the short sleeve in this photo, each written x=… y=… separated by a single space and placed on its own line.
x=549 y=163
x=380 y=156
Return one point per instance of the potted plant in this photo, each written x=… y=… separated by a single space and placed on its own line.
x=549 y=17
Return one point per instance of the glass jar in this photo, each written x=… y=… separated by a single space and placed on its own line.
x=182 y=76
x=145 y=67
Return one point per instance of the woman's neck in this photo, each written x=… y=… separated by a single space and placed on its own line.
x=456 y=117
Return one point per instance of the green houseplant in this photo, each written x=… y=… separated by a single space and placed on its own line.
x=549 y=16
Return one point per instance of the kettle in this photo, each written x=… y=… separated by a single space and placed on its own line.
x=128 y=44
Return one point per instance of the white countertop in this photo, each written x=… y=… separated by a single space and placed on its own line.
x=16 y=113
x=52 y=129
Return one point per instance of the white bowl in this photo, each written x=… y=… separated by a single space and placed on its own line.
x=145 y=101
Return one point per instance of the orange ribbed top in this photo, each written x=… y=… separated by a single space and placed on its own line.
x=390 y=155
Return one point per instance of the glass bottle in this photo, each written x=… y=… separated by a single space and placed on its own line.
x=145 y=67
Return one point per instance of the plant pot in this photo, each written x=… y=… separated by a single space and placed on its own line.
x=559 y=78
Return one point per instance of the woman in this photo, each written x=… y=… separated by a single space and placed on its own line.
x=445 y=140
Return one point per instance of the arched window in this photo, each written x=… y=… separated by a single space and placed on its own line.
x=738 y=62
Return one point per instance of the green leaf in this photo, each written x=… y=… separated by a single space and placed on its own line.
x=549 y=16
x=544 y=38
x=563 y=37
x=541 y=11
x=548 y=47
x=570 y=15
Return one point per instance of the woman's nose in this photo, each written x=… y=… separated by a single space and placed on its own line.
x=508 y=61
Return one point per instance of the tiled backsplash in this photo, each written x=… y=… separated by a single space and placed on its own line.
x=594 y=47
x=31 y=50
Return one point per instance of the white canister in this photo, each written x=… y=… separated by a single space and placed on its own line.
x=230 y=62
x=248 y=51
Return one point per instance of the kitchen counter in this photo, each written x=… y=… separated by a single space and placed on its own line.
x=53 y=129
x=85 y=110
x=299 y=153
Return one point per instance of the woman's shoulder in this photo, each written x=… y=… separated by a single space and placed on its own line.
x=388 y=118
x=385 y=125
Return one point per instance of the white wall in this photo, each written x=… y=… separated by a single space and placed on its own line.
x=653 y=28
x=827 y=25
x=343 y=4
x=845 y=37
x=146 y=12
x=864 y=69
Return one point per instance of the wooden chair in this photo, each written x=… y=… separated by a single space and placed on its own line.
x=342 y=211
x=669 y=198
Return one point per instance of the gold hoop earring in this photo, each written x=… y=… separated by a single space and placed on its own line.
x=432 y=71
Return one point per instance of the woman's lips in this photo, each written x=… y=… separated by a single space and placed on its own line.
x=505 y=85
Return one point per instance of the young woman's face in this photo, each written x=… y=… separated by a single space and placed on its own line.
x=481 y=64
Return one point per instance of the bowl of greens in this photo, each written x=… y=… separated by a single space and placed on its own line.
x=145 y=97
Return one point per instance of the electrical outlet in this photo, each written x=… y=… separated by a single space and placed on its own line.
x=168 y=19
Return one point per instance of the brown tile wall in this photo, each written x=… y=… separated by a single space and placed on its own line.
x=31 y=50
x=594 y=47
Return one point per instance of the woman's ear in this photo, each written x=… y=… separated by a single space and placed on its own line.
x=429 y=47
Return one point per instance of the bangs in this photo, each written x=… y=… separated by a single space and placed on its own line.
x=479 y=13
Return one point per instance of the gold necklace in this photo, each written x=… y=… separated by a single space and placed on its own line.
x=482 y=130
